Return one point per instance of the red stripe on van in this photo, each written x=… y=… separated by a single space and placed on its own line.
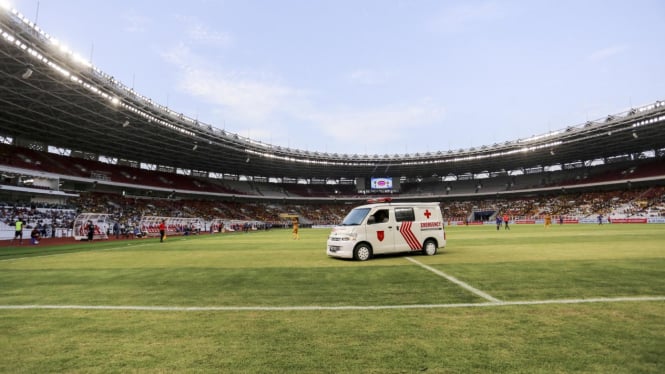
x=409 y=236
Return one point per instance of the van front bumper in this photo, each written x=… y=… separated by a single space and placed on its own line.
x=341 y=249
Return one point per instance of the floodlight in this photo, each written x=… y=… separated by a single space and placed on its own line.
x=27 y=74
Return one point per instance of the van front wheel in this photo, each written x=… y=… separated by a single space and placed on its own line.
x=362 y=252
x=429 y=248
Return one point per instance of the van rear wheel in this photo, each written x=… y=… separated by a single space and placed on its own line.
x=429 y=248
x=362 y=252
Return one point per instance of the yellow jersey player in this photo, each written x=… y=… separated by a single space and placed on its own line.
x=294 y=221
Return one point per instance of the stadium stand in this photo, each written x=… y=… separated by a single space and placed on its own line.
x=613 y=166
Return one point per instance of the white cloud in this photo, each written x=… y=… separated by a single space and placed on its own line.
x=465 y=16
x=135 y=23
x=606 y=53
x=378 y=126
x=245 y=96
x=199 y=33
x=263 y=108
x=368 y=77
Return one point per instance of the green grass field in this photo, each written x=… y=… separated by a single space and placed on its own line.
x=572 y=298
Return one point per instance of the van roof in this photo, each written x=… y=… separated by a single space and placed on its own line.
x=423 y=204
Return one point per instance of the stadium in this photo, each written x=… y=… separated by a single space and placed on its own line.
x=74 y=140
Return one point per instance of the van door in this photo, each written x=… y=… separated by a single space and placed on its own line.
x=405 y=239
x=381 y=230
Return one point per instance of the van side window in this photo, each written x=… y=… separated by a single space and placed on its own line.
x=381 y=216
x=404 y=214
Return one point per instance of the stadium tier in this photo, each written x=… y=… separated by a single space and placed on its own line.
x=68 y=130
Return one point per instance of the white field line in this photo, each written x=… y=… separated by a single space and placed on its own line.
x=456 y=281
x=319 y=308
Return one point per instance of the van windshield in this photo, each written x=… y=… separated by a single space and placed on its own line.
x=355 y=217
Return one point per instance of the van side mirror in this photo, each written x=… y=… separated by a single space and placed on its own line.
x=371 y=220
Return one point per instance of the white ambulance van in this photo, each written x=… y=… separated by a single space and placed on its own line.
x=387 y=227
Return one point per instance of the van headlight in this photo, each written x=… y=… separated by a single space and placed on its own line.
x=344 y=237
x=349 y=237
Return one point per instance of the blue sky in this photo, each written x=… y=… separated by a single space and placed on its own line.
x=374 y=77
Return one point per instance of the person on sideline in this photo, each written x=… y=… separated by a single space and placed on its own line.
x=548 y=221
x=35 y=236
x=91 y=231
x=505 y=221
x=498 y=222
x=18 y=233
x=162 y=231
x=294 y=221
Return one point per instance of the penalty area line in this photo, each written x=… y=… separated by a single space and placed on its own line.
x=458 y=282
x=331 y=308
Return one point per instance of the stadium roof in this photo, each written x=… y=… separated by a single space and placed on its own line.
x=52 y=97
